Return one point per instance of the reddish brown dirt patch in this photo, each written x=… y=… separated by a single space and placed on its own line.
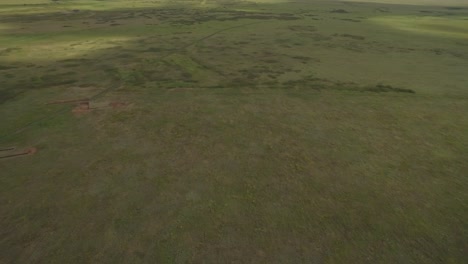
x=31 y=151
x=28 y=151
x=81 y=108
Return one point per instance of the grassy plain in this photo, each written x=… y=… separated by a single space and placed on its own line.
x=234 y=132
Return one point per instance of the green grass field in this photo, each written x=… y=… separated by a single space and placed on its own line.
x=224 y=131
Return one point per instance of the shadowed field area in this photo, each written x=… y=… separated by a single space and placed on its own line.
x=233 y=132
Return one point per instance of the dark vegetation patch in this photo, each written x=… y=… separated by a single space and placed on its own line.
x=77 y=60
x=326 y=84
x=131 y=76
x=11 y=88
x=355 y=37
x=8 y=94
x=51 y=80
x=339 y=11
x=9 y=75
x=305 y=59
x=382 y=10
x=176 y=16
x=3 y=67
x=241 y=42
x=71 y=65
x=455 y=8
x=154 y=50
x=381 y=88
x=231 y=16
x=438 y=13
x=125 y=55
x=8 y=51
x=350 y=20
x=302 y=28
x=319 y=37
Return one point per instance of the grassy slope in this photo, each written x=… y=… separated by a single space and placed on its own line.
x=263 y=143
x=417 y=2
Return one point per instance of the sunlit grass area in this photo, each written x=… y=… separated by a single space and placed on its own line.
x=41 y=6
x=3 y=28
x=45 y=52
x=438 y=26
